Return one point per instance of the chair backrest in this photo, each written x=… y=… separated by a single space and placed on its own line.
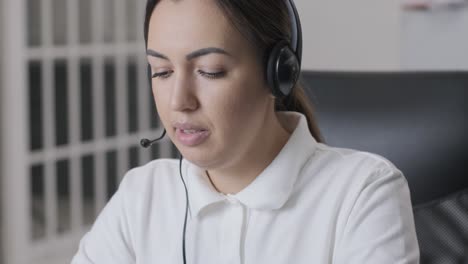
x=442 y=229
x=418 y=120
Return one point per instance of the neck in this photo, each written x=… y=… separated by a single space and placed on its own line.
x=235 y=178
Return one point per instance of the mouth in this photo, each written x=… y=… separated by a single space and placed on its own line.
x=190 y=135
x=191 y=131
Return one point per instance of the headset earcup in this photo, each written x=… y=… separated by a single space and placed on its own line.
x=282 y=69
x=287 y=71
x=271 y=68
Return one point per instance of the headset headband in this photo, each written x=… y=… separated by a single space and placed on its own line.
x=296 y=30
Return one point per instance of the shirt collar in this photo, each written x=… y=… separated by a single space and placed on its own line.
x=274 y=185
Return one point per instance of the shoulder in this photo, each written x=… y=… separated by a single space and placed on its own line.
x=154 y=176
x=355 y=163
x=348 y=156
x=159 y=168
x=373 y=205
x=147 y=190
x=350 y=171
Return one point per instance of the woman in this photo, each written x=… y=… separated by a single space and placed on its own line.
x=260 y=186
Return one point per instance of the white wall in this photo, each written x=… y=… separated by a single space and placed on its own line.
x=380 y=35
x=435 y=39
x=350 y=35
x=14 y=199
x=1 y=122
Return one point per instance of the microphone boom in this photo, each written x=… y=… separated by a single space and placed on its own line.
x=144 y=142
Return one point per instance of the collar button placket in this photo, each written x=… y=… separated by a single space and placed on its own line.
x=232 y=231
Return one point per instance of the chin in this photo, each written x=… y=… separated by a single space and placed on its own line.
x=203 y=163
x=203 y=157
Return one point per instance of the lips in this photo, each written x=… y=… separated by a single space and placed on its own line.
x=188 y=126
x=191 y=134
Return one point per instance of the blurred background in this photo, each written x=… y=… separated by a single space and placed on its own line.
x=75 y=99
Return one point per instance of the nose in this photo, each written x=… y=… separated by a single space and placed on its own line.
x=183 y=96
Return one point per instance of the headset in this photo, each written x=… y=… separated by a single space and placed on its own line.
x=284 y=61
x=282 y=73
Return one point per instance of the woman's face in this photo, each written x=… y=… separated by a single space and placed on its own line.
x=207 y=83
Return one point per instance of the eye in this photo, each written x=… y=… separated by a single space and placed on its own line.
x=212 y=75
x=163 y=75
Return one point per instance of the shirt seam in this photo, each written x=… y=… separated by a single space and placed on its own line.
x=374 y=157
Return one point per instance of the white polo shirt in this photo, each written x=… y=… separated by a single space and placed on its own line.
x=312 y=204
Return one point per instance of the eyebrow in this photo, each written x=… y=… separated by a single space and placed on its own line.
x=191 y=55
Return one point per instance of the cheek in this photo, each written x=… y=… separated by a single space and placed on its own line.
x=161 y=100
x=240 y=105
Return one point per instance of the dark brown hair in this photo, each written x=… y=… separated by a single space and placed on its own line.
x=263 y=23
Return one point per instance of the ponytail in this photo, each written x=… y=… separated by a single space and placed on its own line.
x=298 y=101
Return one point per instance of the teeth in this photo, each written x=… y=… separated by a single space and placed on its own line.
x=190 y=131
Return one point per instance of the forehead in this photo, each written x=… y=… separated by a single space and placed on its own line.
x=191 y=24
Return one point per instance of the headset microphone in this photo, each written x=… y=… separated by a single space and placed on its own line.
x=144 y=142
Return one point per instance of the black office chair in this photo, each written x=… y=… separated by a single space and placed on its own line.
x=418 y=120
